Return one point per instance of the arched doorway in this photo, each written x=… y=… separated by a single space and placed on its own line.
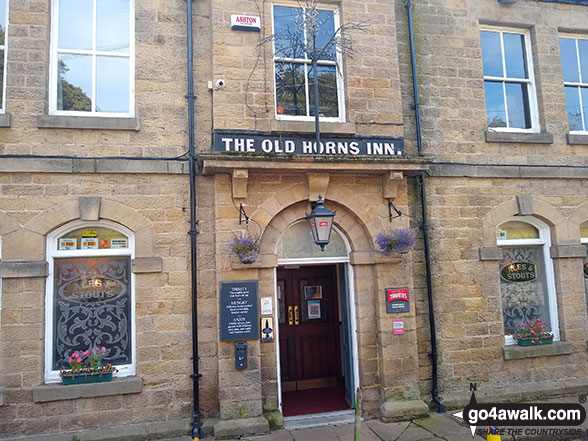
x=317 y=350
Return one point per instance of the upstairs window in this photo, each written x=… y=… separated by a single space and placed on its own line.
x=92 y=58
x=509 y=81
x=90 y=295
x=3 y=43
x=526 y=275
x=294 y=76
x=574 y=65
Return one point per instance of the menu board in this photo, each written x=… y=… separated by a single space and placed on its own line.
x=239 y=310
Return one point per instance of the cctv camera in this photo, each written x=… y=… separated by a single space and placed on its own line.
x=220 y=84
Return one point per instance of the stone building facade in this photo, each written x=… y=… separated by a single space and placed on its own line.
x=88 y=168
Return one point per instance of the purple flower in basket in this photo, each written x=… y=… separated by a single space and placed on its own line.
x=243 y=244
x=398 y=241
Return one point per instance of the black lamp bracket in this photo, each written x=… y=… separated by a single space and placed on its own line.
x=242 y=215
x=391 y=207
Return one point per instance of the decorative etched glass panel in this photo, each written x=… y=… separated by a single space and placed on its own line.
x=297 y=242
x=523 y=286
x=92 y=308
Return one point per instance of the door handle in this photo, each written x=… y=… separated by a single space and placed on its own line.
x=296 y=315
x=290 y=319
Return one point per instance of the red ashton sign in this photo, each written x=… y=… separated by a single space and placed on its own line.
x=397 y=294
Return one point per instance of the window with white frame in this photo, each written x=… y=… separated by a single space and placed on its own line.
x=3 y=52
x=509 y=83
x=584 y=239
x=526 y=275
x=90 y=295
x=574 y=65
x=293 y=54
x=92 y=58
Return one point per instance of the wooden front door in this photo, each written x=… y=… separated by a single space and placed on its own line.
x=309 y=327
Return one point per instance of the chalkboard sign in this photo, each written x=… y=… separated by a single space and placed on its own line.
x=239 y=310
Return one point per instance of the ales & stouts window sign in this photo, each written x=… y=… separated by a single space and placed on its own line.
x=519 y=272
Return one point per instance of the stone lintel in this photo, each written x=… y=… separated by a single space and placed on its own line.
x=515 y=352
x=5 y=120
x=519 y=138
x=525 y=204
x=490 y=253
x=89 y=207
x=390 y=183
x=395 y=410
x=57 y=392
x=317 y=183
x=567 y=251
x=87 y=122
x=17 y=270
x=239 y=185
x=142 y=265
x=240 y=427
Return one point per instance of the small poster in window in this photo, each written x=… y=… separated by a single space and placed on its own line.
x=68 y=244
x=89 y=243
x=500 y=235
x=119 y=243
x=313 y=292
x=89 y=233
x=314 y=309
x=103 y=243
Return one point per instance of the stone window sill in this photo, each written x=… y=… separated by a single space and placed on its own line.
x=57 y=391
x=519 y=138
x=515 y=352
x=5 y=120
x=578 y=139
x=286 y=126
x=87 y=123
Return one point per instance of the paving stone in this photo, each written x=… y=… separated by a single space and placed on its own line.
x=345 y=432
x=387 y=431
x=415 y=433
x=276 y=435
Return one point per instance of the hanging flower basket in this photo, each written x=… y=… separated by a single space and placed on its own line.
x=245 y=247
x=398 y=241
x=248 y=257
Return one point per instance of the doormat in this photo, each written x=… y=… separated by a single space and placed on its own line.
x=304 y=402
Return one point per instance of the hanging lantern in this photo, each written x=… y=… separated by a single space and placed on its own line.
x=320 y=220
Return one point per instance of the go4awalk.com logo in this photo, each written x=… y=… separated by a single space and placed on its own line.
x=524 y=418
